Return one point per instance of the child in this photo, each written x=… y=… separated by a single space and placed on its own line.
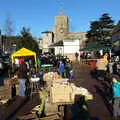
x=116 y=96
x=71 y=74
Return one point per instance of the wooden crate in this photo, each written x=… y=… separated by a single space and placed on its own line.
x=5 y=92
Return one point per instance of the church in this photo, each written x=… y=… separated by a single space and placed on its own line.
x=55 y=40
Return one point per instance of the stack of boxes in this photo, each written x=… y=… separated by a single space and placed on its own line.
x=6 y=90
x=66 y=93
x=61 y=91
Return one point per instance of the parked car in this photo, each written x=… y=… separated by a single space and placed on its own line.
x=4 y=63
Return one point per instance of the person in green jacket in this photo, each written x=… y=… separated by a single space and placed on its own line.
x=38 y=63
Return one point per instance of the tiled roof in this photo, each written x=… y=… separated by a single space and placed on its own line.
x=47 y=31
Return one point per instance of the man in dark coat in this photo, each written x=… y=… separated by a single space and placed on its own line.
x=22 y=77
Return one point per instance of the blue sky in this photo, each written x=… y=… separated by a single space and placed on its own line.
x=39 y=15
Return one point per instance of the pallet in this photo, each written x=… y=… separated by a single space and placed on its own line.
x=50 y=116
x=54 y=116
x=28 y=116
x=11 y=107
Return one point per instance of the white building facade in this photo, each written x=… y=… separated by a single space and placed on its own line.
x=67 y=48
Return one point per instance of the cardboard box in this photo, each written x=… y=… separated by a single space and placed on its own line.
x=61 y=98
x=7 y=82
x=61 y=93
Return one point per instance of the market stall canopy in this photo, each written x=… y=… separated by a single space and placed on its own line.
x=95 y=48
x=22 y=53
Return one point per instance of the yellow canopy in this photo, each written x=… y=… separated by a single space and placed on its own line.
x=22 y=53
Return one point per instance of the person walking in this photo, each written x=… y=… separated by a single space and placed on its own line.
x=38 y=62
x=76 y=55
x=116 y=96
x=22 y=77
x=61 y=69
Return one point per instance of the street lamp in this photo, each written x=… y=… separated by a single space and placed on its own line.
x=109 y=45
x=14 y=47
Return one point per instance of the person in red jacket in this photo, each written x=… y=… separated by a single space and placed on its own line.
x=20 y=61
x=92 y=67
x=92 y=64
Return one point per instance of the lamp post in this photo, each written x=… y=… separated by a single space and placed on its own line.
x=14 y=47
x=110 y=52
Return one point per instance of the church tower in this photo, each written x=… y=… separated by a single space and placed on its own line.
x=61 y=27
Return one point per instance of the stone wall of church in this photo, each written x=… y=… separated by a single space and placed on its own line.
x=61 y=32
x=78 y=35
x=47 y=38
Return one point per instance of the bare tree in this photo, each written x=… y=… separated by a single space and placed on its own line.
x=8 y=28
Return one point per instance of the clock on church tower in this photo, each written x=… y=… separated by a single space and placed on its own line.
x=61 y=30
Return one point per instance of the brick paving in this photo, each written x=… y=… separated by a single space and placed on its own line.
x=82 y=77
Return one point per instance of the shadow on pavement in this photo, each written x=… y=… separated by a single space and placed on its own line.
x=95 y=118
x=78 y=110
x=103 y=94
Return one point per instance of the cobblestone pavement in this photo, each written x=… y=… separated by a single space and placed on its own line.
x=82 y=77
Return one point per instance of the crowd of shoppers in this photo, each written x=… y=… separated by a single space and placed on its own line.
x=103 y=67
x=25 y=68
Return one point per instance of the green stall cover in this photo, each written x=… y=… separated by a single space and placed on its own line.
x=95 y=48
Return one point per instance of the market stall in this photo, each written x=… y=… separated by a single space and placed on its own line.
x=57 y=94
x=62 y=91
x=23 y=52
